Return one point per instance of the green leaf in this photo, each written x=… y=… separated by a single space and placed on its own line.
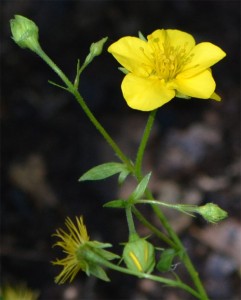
x=103 y=171
x=140 y=189
x=122 y=176
x=116 y=204
x=60 y=86
x=166 y=260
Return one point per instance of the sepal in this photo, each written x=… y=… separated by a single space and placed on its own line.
x=139 y=255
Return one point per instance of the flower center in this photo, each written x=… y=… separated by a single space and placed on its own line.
x=168 y=60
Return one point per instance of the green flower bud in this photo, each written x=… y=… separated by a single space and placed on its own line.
x=24 y=33
x=95 y=50
x=212 y=212
x=139 y=256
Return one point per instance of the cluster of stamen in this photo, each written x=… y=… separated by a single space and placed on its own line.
x=167 y=61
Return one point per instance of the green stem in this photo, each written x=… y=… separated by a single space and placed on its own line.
x=142 y=147
x=55 y=68
x=184 y=208
x=72 y=89
x=131 y=226
x=178 y=244
x=152 y=228
x=168 y=282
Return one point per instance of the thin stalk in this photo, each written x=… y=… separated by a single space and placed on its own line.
x=153 y=229
x=87 y=111
x=183 y=254
x=142 y=147
x=178 y=244
x=131 y=226
x=168 y=282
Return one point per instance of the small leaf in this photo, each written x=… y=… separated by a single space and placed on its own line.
x=122 y=176
x=103 y=171
x=166 y=259
x=140 y=189
x=116 y=204
x=60 y=86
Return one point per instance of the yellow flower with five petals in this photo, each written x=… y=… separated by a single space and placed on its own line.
x=167 y=64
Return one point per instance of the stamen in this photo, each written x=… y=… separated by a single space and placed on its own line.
x=169 y=60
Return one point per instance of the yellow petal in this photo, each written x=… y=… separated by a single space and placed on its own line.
x=204 y=56
x=145 y=94
x=199 y=86
x=133 y=54
x=174 y=38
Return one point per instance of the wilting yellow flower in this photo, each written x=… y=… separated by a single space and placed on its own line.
x=70 y=242
x=20 y=292
x=82 y=254
x=167 y=64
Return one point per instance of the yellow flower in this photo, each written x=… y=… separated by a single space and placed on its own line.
x=20 y=292
x=82 y=254
x=167 y=64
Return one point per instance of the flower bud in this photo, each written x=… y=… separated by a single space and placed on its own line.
x=139 y=255
x=95 y=50
x=212 y=212
x=24 y=33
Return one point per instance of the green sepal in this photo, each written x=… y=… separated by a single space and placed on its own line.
x=97 y=271
x=141 y=36
x=98 y=245
x=99 y=249
x=166 y=260
x=139 y=255
x=116 y=204
x=180 y=95
x=141 y=187
x=107 y=254
x=93 y=256
x=103 y=171
x=123 y=70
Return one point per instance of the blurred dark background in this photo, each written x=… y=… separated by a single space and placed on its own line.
x=47 y=143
